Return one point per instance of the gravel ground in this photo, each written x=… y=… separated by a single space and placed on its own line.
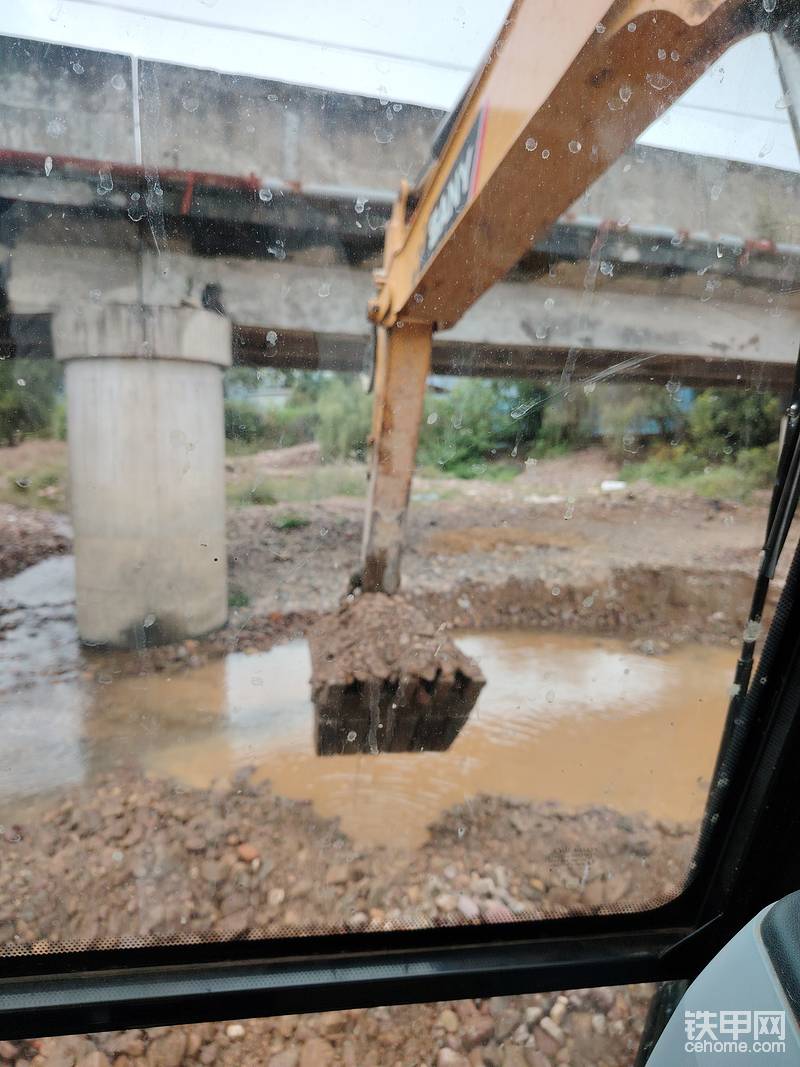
x=131 y=860
x=28 y=535
x=582 y=1028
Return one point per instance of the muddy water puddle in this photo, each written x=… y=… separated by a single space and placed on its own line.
x=580 y=720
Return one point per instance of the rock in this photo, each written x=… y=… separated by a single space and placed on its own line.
x=235 y=1031
x=288 y=1057
x=276 y=896
x=535 y=1058
x=468 y=908
x=478 y=1031
x=552 y=1029
x=506 y=1020
x=208 y=1055
x=448 y=1057
x=167 y=1051
x=616 y=888
x=592 y=895
x=446 y=902
x=247 y=852
x=544 y=1042
x=194 y=843
x=234 y=925
x=559 y=1010
x=449 y=1020
x=94 y=1059
x=338 y=874
x=599 y=1024
x=513 y=1056
x=317 y=1052
x=580 y=1024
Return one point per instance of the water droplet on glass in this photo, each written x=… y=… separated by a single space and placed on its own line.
x=589 y=388
x=672 y=386
x=769 y=5
x=105 y=182
x=265 y=195
x=361 y=203
x=118 y=83
x=77 y=66
x=272 y=338
x=545 y=153
x=351 y=736
x=461 y=831
x=148 y=620
x=324 y=290
x=574 y=147
x=382 y=135
x=556 y=590
x=48 y=166
x=631 y=27
x=662 y=53
x=272 y=97
x=190 y=103
x=615 y=105
x=782 y=103
x=277 y=250
x=600 y=28
x=625 y=93
x=541 y=333
x=530 y=144
x=21 y=383
x=658 y=81
x=95 y=295
x=432 y=419
x=674 y=56
x=56 y=126
x=549 y=303
x=606 y=268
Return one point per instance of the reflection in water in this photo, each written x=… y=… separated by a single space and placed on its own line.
x=576 y=719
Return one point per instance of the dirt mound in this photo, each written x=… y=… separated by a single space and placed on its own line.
x=384 y=678
x=26 y=536
x=129 y=860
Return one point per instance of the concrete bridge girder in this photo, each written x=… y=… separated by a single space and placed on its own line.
x=292 y=314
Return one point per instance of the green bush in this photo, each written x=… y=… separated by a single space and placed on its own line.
x=722 y=422
x=29 y=389
x=344 y=412
x=243 y=422
x=58 y=422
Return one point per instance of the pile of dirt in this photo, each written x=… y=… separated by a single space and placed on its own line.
x=28 y=535
x=130 y=860
x=384 y=678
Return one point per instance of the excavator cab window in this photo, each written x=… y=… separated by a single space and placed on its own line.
x=399 y=452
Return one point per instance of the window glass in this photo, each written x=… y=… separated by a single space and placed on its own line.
x=212 y=726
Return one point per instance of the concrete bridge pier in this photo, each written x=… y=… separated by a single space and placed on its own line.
x=146 y=469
